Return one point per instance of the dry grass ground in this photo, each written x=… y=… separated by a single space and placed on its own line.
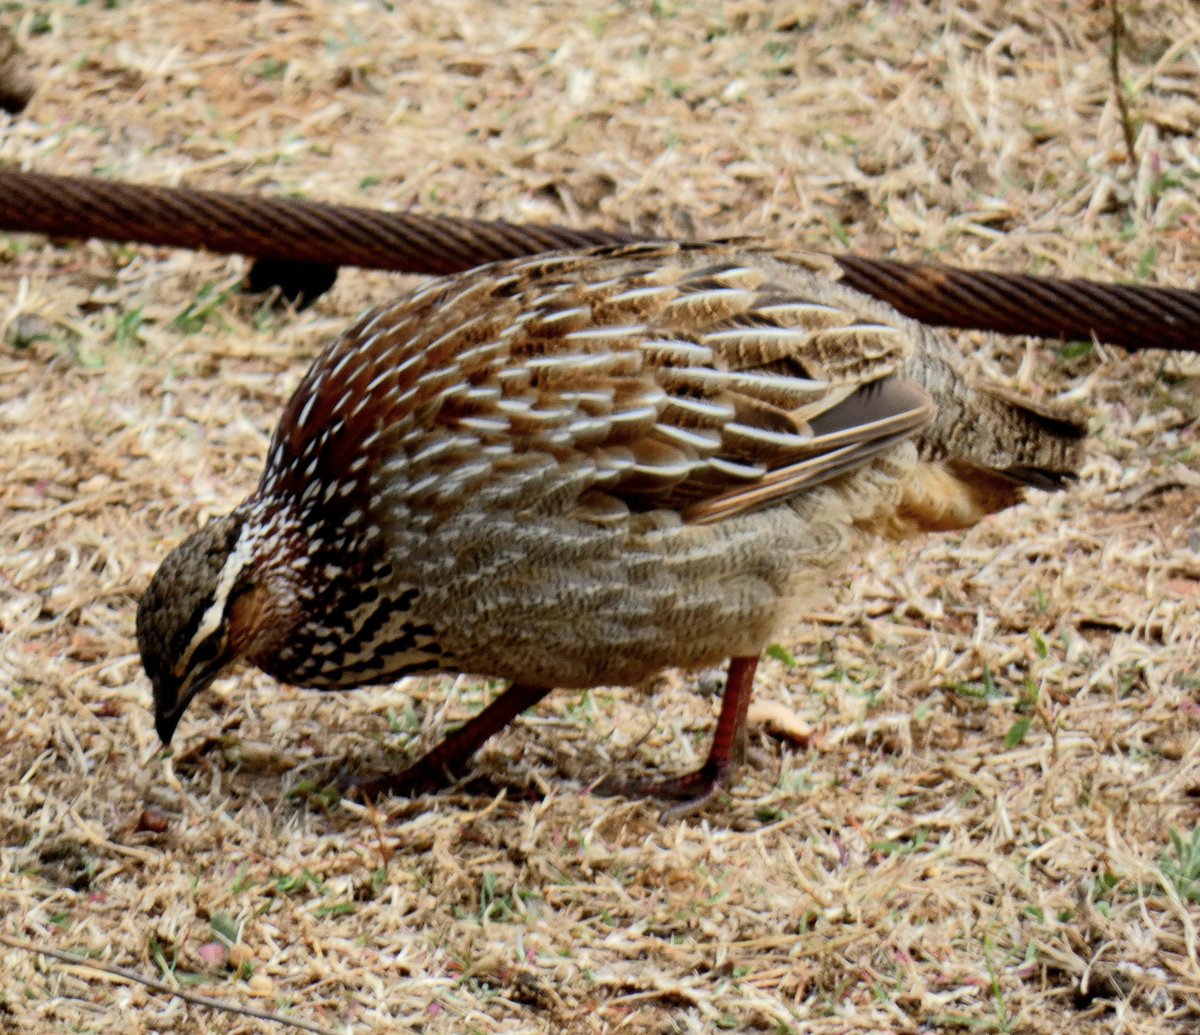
x=976 y=831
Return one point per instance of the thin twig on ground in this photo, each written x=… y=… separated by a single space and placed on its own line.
x=1114 y=67
x=161 y=986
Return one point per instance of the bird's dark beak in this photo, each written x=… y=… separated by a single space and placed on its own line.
x=170 y=702
x=166 y=719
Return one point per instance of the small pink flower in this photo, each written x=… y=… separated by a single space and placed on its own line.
x=214 y=954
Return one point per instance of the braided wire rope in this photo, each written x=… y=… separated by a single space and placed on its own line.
x=295 y=231
x=275 y=228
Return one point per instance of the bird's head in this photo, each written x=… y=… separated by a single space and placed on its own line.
x=197 y=616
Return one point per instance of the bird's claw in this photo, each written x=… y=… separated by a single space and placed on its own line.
x=691 y=791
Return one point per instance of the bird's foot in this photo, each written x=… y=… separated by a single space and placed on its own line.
x=433 y=770
x=692 y=791
x=427 y=776
x=420 y=778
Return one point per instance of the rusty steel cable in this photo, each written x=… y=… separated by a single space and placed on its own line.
x=270 y=228
x=1133 y=317
x=316 y=234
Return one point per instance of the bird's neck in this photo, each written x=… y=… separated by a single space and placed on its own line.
x=282 y=587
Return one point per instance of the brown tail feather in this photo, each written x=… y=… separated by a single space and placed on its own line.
x=983 y=449
x=1027 y=442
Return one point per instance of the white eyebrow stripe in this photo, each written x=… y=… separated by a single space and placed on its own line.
x=214 y=615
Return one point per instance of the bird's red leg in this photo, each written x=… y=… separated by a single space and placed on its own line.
x=696 y=789
x=429 y=771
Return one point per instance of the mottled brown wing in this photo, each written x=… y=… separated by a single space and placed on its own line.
x=710 y=379
x=870 y=422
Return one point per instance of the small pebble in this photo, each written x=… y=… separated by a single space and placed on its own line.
x=153 y=819
x=16 y=86
x=261 y=984
x=239 y=955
